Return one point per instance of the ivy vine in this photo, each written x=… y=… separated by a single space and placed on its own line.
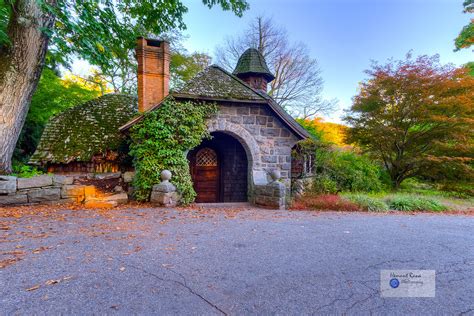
x=160 y=141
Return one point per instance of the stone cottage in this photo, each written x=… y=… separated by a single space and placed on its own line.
x=252 y=136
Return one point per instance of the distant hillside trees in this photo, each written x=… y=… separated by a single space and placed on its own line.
x=416 y=116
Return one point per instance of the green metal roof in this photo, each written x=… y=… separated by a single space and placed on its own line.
x=253 y=62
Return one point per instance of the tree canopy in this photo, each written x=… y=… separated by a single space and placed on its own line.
x=53 y=96
x=99 y=31
x=416 y=116
x=102 y=32
x=466 y=36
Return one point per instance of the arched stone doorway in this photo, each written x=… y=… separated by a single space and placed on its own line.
x=219 y=170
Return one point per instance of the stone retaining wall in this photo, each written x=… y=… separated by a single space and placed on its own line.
x=272 y=195
x=64 y=189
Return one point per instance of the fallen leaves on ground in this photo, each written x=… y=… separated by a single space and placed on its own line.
x=33 y=288
x=49 y=282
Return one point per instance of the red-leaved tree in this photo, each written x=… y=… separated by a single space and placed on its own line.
x=416 y=116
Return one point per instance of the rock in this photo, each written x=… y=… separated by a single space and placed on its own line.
x=89 y=191
x=8 y=184
x=275 y=174
x=108 y=175
x=164 y=199
x=99 y=203
x=166 y=175
x=61 y=201
x=43 y=195
x=128 y=176
x=62 y=180
x=119 y=198
x=35 y=182
x=271 y=195
x=164 y=187
x=13 y=199
x=118 y=189
x=73 y=191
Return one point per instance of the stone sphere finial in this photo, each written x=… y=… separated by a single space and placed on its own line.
x=275 y=174
x=165 y=175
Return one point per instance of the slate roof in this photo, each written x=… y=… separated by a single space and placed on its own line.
x=85 y=130
x=217 y=84
x=252 y=62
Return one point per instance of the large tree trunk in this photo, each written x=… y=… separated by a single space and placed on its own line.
x=21 y=63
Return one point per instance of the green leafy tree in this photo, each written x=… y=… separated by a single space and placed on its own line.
x=53 y=95
x=92 y=30
x=184 y=66
x=416 y=116
x=470 y=67
x=465 y=39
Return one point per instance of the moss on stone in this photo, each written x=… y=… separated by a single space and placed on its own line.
x=215 y=82
x=86 y=130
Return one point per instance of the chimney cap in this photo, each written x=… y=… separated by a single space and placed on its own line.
x=152 y=40
x=253 y=62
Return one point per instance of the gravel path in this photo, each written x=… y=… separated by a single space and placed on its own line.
x=219 y=261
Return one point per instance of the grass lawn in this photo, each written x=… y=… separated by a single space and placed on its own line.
x=411 y=197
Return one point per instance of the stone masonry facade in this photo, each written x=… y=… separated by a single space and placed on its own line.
x=265 y=138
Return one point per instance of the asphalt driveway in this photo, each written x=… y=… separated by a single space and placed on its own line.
x=163 y=261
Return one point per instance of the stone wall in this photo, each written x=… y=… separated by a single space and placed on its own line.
x=263 y=135
x=90 y=189
x=265 y=138
x=272 y=195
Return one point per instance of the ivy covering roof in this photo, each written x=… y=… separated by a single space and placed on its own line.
x=85 y=130
x=253 y=62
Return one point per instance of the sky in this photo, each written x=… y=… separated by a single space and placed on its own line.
x=343 y=35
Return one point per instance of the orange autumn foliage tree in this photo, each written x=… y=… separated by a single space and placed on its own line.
x=416 y=117
x=326 y=131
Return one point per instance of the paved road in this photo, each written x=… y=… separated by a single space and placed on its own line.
x=148 y=261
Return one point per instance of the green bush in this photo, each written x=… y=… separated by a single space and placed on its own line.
x=21 y=170
x=338 y=171
x=459 y=189
x=368 y=203
x=160 y=142
x=324 y=184
x=415 y=203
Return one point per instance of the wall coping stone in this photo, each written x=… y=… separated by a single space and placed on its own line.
x=35 y=182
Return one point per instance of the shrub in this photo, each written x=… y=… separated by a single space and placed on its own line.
x=458 y=189
x=160 y=142
x=415 y=203
x=368 y=203
x=325 y=184
x=326 y=202
x=21 y=170
x=338 y=171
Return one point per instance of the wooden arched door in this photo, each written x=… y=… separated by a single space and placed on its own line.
x=205 y=175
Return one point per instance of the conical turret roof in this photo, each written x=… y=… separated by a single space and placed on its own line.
x=253 y=62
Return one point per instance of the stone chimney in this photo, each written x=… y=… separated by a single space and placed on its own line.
x=153 y=58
